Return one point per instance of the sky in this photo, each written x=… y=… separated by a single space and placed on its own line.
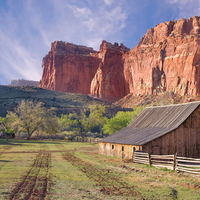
x=28 y=27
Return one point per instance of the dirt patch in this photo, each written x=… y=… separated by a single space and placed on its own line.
x=110 y=184
x=190 y=186
x=36 y=182
x=130 y=169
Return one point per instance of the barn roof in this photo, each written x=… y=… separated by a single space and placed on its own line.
x=152 y=123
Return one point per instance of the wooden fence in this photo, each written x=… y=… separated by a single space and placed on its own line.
x=163 y=161
x=188 y=165
x=86 y=139
x=172 y=162
x=142 y=158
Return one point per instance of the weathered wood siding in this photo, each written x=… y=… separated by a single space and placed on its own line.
x=185 y=140
x=106 y=149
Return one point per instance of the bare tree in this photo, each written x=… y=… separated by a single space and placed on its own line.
x=31 y=116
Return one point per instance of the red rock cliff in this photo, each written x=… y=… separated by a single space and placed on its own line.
x=166 y=59
x=109 y=82
x=69 y=68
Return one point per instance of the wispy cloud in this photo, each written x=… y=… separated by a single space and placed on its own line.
x=101 y=23
x=18 y=62
x=108 y=2
x=187 y=8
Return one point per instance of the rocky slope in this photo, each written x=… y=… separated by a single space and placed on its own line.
x=166 y=59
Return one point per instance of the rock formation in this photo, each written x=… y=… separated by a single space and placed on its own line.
x=109 y=82
x=69 y=68
x=166 y=59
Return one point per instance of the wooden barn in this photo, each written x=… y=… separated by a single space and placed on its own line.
x=162 y=130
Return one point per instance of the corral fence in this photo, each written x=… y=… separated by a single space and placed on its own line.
x=86 y=139
x=189 y=165
x=172 y=162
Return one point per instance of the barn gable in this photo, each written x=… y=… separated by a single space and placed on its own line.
x=152 y=123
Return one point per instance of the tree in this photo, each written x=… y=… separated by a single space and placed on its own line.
x=30 y=117
x=120 y=120
x=7 y=130
x=69 y=122
x=88 y=119
x=97 y=116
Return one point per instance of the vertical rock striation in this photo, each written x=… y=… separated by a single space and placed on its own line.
x=69 y=68
x=167 y=58
x=109 y=82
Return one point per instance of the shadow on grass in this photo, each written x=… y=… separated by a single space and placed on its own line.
x=8 y=142
x=5 y=161
x=21 y=142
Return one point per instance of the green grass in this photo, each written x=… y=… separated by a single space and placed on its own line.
x=71 y=179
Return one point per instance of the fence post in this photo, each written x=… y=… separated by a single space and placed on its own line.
x=174 y=165
x=149 y=157
x=133 y=156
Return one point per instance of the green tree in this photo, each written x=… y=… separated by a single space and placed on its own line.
x=120 y=120
x=30 y=117
x=85 y=122
x=7 y=130
x=97 y=116
x=69 y=122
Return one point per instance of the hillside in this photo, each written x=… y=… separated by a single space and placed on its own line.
x=61 y=101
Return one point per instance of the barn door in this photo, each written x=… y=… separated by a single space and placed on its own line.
x=123 y=154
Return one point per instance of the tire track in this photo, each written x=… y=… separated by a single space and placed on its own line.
x=110 y=184
x=36 y=182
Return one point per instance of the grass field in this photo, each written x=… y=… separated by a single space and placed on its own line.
x=68 y=170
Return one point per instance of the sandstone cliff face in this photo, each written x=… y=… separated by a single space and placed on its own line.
x=166 y=59
x=69 y=68
x=109 y=82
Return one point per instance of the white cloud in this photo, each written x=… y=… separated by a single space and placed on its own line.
x=17 y=60
x=108 y=2
x=100 y=23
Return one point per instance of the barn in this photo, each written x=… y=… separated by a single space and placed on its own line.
x=161 y=130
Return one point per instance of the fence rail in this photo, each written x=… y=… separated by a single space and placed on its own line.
x=140 y=157
x=86 y=139
x=163 y=161
x=188 y=165
x=172 y=162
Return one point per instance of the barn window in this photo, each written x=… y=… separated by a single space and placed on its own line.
x=122 y=148
x=134 y=149
x=113 y=146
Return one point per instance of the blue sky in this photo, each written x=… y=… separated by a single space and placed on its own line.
x=27 y=27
